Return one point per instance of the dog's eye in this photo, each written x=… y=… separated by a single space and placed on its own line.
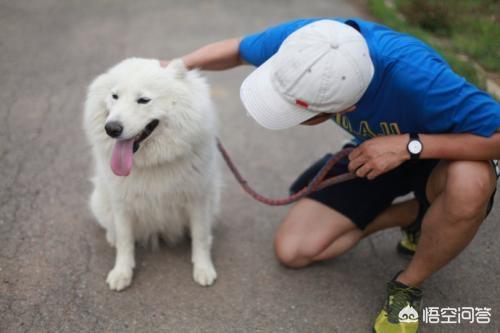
x=115 y=96
x=143 y=100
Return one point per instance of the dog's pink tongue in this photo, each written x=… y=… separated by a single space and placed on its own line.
x=122 y=158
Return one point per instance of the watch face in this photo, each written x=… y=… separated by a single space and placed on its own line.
x=415 y=147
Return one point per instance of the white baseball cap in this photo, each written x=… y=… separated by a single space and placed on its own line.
x=324 y=66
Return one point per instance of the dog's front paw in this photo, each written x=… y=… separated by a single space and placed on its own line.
x=204 y=274
x=119 y=278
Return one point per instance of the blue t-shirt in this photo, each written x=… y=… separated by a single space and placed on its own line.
x=413 y=88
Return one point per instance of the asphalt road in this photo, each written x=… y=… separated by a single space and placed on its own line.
x=54 y=258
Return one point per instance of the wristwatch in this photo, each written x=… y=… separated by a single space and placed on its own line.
x=415 y=146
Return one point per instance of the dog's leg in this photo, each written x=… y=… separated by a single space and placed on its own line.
x=201 y=236
x=120 y=276
x=100 y=206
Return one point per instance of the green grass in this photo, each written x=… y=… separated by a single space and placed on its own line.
x=457 y=29
x=473 y=26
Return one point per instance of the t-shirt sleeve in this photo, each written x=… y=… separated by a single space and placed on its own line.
x=454 y=105
x=257 y=48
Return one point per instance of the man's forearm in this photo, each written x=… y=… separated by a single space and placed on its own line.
x=383 y=153
x=216 y=56
x=460 y=146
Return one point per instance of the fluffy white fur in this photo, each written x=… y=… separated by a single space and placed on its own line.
x=174 y=184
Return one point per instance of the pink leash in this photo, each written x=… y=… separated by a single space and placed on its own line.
x=319 y=182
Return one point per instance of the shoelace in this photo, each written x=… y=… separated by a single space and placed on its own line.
x=401 y=297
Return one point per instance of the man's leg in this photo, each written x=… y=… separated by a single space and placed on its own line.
x=397 y=215
x=314 y=232
x=459 y=192
x=321 y=227
x=401 y=214
x=309 y=228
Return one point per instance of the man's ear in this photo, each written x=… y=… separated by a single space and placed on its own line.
x=178 y=68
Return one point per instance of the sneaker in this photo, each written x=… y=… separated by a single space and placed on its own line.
x=411 y=234
x=409 y=240
x=401 y=310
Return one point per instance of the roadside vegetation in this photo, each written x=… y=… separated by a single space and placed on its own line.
x=465 y=32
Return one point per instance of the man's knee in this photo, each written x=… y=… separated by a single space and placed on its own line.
x=294 y=249
x=309 y=229
x=287 y=253
x=468 y=189
x=289 y=250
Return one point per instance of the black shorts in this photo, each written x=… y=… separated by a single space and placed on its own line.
x=360 y=199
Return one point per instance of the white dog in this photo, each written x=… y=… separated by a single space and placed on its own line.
x=153 y=137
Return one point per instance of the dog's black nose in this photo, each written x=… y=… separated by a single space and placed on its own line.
x=114 y=129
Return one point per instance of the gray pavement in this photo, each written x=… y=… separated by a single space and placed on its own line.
x=54 y=258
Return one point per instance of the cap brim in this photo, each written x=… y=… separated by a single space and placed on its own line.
x=265 y=104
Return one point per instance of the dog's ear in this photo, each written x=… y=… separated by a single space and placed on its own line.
x=178 y=68
x=101 y=84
